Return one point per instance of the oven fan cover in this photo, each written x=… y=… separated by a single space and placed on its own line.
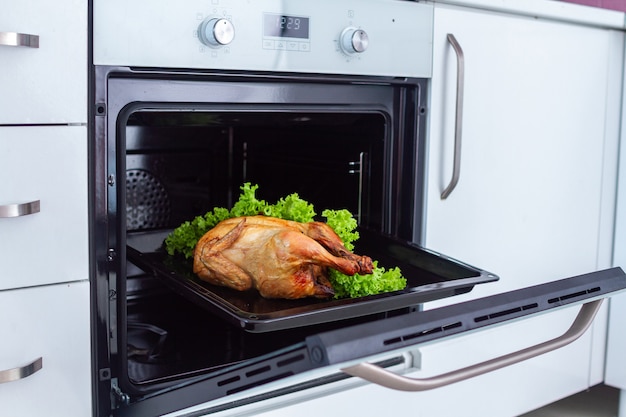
x=147 y=202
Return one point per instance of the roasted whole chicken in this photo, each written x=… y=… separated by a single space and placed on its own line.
x=280 y=258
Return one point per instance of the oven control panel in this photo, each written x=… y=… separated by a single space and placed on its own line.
x=352 y=37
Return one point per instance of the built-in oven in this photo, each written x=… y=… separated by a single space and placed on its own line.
x=195 y=103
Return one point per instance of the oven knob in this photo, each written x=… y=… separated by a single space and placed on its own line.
x=354 y=40
x=216 y=32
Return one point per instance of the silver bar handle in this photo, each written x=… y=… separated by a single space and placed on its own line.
x=19 y=39
x=18 y=210
x=21 y=372
x=458 y=120
x=380 y=376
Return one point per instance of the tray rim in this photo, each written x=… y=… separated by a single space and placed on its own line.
x=316 y=312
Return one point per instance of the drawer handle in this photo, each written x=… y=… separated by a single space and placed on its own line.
x=18 y=210
x=380 y=376
x=22 y=372
x=19 y=39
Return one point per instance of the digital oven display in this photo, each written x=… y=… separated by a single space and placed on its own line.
x=284 y=26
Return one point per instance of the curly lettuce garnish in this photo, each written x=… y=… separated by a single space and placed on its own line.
x=248 y=204
x=293 y=208
x=379 y=281
x=183 y=239
x=344 y=224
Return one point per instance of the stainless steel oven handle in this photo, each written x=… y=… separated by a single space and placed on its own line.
x=380 y=376
x=18 y=210
x=21 y=372
x=19 y=39
x=458 y=120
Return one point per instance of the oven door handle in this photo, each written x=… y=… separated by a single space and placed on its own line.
x=19 y=39
x=458 y=119
x=380 y=376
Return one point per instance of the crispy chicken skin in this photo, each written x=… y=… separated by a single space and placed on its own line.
x=280 y=258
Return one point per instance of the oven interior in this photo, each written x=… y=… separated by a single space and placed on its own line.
x=360 y=151
x=181 y=164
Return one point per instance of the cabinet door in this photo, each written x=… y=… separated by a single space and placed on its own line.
x=539 y=135
x=44 y=166
x=47 y=84
x=616 y=360
x=535 y=197
x=51 y=323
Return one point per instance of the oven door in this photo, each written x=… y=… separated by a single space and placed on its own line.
x=364 y=351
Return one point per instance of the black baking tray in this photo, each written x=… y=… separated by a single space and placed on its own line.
x=429 y=275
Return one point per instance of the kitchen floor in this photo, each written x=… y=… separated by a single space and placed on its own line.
x=598 y=401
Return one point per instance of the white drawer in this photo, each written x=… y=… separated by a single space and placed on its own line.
x=47 y=84
x=49 y=165
x=51 y=323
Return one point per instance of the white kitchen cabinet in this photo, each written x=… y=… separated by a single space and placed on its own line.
x=44 y=264
x=51 y=323
x=45 y=166
x=48 y=83
x=616 y=345
x=540 y=129
x=535 y=200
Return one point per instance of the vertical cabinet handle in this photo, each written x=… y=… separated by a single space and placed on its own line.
x=380 y=376
x=21 y=372
x=19 y=39
x=458 y=120
x=18 y=210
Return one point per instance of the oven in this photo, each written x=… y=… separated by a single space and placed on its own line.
x=193 y=104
